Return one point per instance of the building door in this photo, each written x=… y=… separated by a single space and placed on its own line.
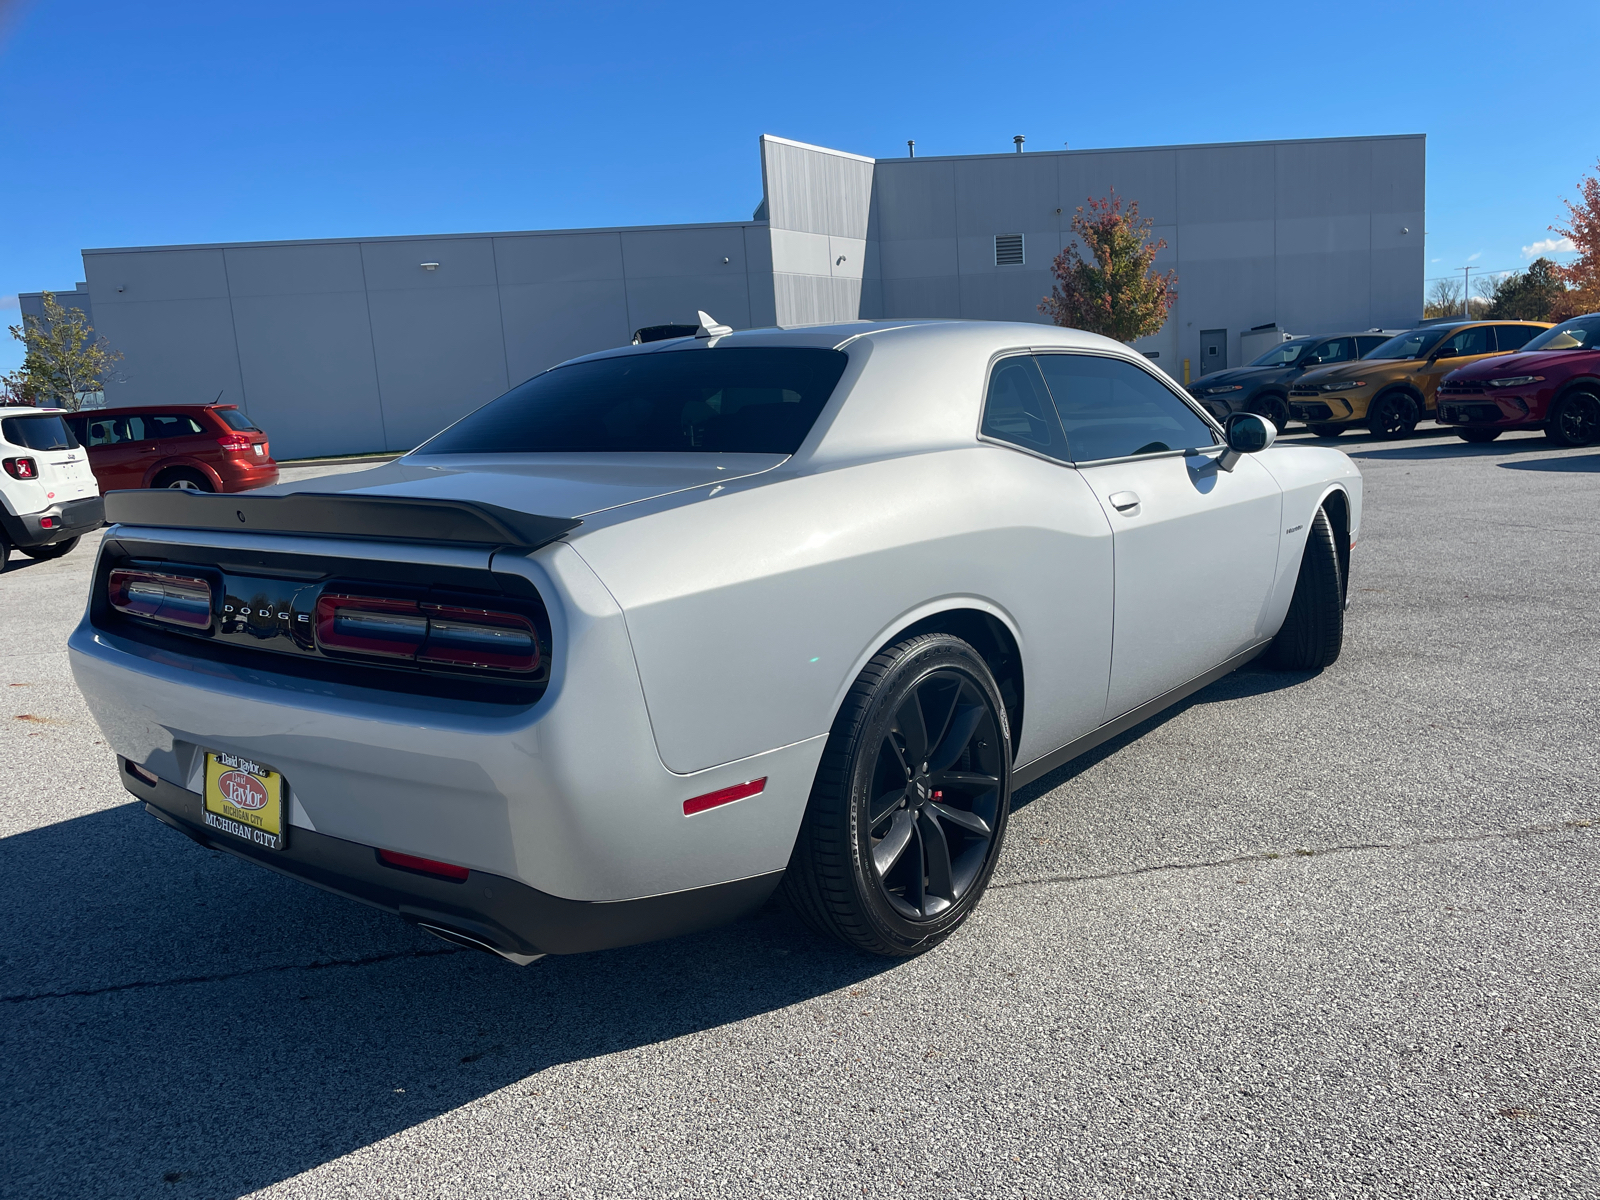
x=1213 y=350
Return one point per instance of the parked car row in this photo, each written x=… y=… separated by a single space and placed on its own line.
x=57 y=464
x=1481 y=377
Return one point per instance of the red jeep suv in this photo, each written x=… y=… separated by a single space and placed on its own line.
x=199 y=447
x=1552 y=383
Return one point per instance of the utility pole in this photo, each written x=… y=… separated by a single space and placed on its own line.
x=1466 y=304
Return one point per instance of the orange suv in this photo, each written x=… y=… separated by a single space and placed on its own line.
x=195 y=447
x=1392 y=387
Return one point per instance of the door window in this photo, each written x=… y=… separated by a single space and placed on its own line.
x=1514 y=337
x=1018 y=408
x=1110 y=408
x=113 y=431
x=1477 y=340
x=171 y=425
x=1336 y=351
x=1366 y=345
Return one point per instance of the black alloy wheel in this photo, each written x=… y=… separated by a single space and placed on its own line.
x=1478 y=437
x=1324 y=430
x=910 y=806
x=53 y=550
x=1395 y=415
x=1576 y=420
x=1273 y=408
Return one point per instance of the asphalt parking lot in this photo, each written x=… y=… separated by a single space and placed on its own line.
x=1325 y=936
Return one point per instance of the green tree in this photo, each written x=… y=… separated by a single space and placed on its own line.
x=1118 y=294
x=62 y=363
x=1524 y=295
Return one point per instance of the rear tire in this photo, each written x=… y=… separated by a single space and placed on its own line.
x=53 y=550
x=1394 y=416
x=5 y=552
x=1324 y=430
x=1576 y=420
x=908 y=812
x=1313 y=632
x=1478 y=436
x=184 y=479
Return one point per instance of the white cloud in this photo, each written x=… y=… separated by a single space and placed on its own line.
x=1434 y=260
x=1549 y=246
x=1475 y=257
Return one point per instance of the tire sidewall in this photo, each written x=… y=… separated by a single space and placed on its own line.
x=940 y=652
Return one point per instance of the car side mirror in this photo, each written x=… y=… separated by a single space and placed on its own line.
x=1245 y=433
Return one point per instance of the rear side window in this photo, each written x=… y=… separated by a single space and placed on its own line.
x=171 y=425
x=732 y=400
x=235 y=420
x=1110 y=408
x=47 y=432
x=1514 y=337
x=1018 y=408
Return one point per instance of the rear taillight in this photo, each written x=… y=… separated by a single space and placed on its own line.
x=234 y=441
x=22 y=468
x=183 y=600
x=436 y=634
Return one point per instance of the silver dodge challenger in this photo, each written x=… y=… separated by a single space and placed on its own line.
x=670 y=627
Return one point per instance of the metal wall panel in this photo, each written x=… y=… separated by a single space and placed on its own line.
x=305 y=347
x=818 y=213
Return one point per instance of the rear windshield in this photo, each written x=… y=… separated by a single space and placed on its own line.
x=234 y=419
x=46 y=432
x=732 y=400
x=1580 y=333
x=1414 y=344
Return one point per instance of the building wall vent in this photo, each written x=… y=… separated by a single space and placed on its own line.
x=1008 y=250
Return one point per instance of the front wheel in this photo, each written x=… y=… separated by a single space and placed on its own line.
x=910 y=804
x=1322 y=429
x=1478 y=436
x=1576 y=420
x=53 y=550
x=1395 y=415
x=1313 y=632
x=1274 y=409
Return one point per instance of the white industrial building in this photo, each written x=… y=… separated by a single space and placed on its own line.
x=357 y=344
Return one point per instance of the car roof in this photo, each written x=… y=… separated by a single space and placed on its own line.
x=134 y=409
x=25 y=410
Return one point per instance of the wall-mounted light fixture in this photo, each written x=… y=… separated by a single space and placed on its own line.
x=430 y=266
x=841 y=260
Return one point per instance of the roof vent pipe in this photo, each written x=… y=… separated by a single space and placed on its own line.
x=1019 y=139
x=911 y=148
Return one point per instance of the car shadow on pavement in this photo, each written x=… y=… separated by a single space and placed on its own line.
x=178 y=1020
x=1245 y=682
x=1456 y=449
x=1575 y=462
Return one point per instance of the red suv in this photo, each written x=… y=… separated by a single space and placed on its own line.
x=198 y=447
x=1552 y=383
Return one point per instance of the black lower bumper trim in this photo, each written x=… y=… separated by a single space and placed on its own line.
x=74 y=518
x=504 y=913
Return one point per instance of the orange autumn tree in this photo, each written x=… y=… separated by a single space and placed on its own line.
x=1118 y=294
x=1581 y=276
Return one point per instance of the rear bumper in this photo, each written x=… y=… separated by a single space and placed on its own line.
x=508 y=916
x=243 y=474
x=72 y=519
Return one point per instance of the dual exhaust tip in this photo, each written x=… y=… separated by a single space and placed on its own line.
x=472 y=942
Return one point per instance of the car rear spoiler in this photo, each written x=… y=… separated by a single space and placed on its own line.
x=337 y=514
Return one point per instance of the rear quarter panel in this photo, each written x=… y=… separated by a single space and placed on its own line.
x=752 y=610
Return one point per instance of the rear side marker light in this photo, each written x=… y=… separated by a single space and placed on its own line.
x=21 y=468
x=183 y=600
x=739 y=791
x=436 y=634
x=234 y=441
x=427 y=866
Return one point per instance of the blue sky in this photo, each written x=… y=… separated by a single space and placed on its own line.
x=165 y=123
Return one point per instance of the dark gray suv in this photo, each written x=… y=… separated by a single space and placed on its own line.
x=1262 y=386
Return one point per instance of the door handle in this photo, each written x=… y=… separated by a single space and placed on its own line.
x=1124 y=502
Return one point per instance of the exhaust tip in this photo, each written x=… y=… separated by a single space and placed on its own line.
x=456 y=937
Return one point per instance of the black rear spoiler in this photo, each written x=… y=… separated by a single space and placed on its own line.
x=336 y=514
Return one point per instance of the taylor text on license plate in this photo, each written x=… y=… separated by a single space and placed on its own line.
x=244 y=799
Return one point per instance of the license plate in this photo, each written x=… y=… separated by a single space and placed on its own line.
x=244 y=800
x=261 y=451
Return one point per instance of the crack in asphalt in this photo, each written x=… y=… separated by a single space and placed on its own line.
x=1157 y=868
x=1271 y=856
x=316 y=965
